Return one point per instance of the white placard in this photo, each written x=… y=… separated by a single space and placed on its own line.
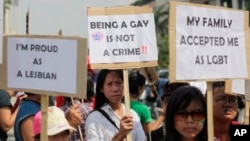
x=122 y=38
x=202 y=86
x=210 y=43
x=238 y=86
x=47 y=64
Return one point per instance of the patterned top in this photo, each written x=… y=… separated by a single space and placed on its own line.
x=85 y=109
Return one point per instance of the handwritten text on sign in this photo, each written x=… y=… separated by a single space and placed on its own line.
x=122 y=38
x=210 y=43
x=42 y=64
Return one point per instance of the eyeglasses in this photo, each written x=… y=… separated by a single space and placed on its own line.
x=225 y=99
x=196 y=115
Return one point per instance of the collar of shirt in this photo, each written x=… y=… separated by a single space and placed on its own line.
x=108 y=109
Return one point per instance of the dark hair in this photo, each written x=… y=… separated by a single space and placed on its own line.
x=136 y=81
x=240 y=101
x=180 y=99
x=218 y=84
x=168 y=89
x=90 y=89
x=100 y=98
x=29 y=94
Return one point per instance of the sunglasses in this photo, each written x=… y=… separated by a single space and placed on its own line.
x=195 y=115
x=225 y=99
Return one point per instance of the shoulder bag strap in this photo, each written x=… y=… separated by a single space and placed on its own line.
x=107 y=117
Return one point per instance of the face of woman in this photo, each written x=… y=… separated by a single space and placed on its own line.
x=190 y=122
x=113 y=87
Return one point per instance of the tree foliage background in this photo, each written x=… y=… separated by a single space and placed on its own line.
x=161 y=26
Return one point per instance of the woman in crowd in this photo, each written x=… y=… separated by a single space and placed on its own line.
x=7 y=115
x=160 y=133
x=108 y=121
x=58 y=128
x=186 y=115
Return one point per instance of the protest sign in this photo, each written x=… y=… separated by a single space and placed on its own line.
x=236 y=86
x=207 y=42
x=45 y=64
x=122 y=37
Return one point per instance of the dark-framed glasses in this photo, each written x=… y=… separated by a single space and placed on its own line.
x=195 y=115
x=224 y=99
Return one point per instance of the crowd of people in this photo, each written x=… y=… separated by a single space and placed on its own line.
x=102 y=117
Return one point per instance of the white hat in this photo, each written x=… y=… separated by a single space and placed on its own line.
x=56 y=122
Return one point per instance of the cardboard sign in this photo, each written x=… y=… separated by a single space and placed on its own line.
x=207 y=42
x=236 y=86
x=45 y=64
x=122 y=36
x=202 y=86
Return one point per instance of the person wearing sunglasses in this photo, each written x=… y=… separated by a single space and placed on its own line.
x=160 y=133
x=225 y=108
x=186 y=115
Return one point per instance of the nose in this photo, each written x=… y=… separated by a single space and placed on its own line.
x=115 y=87
x=189 y=119
x=227 y=104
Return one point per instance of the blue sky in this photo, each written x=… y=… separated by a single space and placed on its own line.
x=48 y=16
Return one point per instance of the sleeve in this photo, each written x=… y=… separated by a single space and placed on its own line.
x=93 y=130
x=4 y=99
x=146 y=115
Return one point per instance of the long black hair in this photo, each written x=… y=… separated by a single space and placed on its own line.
x=179 y=100
x=100 y=98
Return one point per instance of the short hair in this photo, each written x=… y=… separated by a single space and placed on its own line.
x=136 y=81
x=100 y=98
x=218 y=84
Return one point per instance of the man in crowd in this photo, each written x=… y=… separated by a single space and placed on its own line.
x=225 y=109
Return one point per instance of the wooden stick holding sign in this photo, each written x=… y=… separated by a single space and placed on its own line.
x=72 y=99
x=44 y=119
x=127 y=98
x=210 y=119
x=115 y=41
x=196 y=60
x=44 y=99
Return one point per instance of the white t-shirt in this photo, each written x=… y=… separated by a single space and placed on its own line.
x=98 y=128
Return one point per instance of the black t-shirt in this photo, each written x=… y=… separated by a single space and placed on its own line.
x=157 y=135
x=4 y=102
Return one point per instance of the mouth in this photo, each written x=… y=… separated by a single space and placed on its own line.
x=228 y=111
x=117 y=95
x=189 y=129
